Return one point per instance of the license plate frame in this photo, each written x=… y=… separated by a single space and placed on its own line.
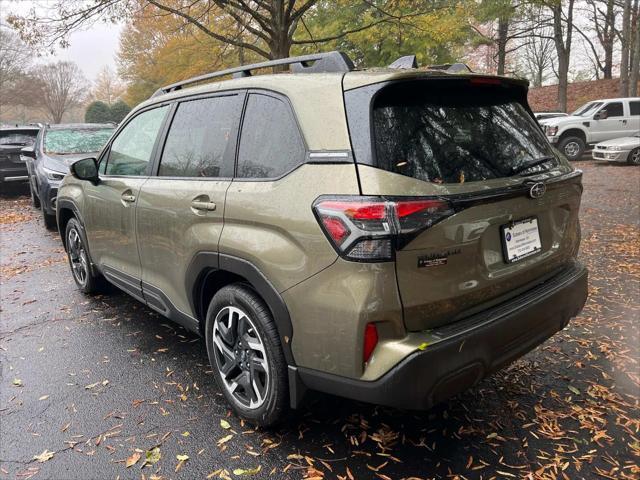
x=515 y=251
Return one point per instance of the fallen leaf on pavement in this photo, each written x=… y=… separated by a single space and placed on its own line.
x=250 y=471
x=44 y=456
x=133 y=459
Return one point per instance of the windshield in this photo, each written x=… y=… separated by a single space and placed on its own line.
x=587 y=109
x=76 y=140
x=456 y=135
x=18 y=138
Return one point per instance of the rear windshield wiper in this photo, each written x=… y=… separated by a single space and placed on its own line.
x=526 y=166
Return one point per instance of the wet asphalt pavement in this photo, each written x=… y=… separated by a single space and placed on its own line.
x=90 y=383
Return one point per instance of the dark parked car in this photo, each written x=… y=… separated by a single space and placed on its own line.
x=12 y=140
x=57 y=147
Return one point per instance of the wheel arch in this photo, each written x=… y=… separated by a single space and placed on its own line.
x=574 y=132
x=208 y=272
x=66 y=211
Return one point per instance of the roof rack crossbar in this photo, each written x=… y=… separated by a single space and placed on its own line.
x=315 y=63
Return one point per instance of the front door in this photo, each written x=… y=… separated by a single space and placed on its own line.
x=614 y=126
x=181 y=207
x=110 y=209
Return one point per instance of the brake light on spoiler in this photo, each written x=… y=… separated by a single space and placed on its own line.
x=369 y=229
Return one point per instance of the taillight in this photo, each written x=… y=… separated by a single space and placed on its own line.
x=368 y=229
x=370 y=341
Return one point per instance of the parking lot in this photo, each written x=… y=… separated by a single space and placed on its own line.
x=102 y=387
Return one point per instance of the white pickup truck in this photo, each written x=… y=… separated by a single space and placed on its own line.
x=592 y=123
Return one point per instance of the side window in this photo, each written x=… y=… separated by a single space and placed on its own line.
x=634 y=107
x=614 y=109
x=200 y=133
x=270 y=144
x=131 y=150
x=102 y=168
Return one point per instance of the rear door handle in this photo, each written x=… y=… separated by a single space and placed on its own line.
x=128 y=197
x=201 y=205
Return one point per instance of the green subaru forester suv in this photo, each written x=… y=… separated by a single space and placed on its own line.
x=390 y=235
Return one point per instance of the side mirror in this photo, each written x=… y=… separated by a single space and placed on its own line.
x=601 y=115
x=28 y=152
x=86 y=169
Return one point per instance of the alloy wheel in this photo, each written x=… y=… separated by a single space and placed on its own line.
x=240 y=357
x=571 y=149
x=635 y=157
x=78 y=257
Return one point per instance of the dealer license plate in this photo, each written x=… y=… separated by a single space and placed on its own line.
x=521 y=239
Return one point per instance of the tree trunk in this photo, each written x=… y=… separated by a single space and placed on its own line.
x=503 y=33
x=634 y=76
x=608 y=40
x=279 y=39
x=563 y=49
x=624 y=51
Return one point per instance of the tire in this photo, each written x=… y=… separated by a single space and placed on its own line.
x=49 y=220
x=244 y=350
x=572 y=147
x=634 y=157
x=78 y=256
x=35 y=201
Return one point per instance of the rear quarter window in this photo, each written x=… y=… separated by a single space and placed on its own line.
x=270 y=144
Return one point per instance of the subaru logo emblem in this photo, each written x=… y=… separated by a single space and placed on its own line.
x=537 y=190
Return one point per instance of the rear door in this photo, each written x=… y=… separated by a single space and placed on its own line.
x=181 y=207
x=633 y=117
x=110 y=205
x=476 y=147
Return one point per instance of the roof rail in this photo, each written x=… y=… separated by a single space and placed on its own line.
x=315 y=63
x=408 y=61
x=452 y=68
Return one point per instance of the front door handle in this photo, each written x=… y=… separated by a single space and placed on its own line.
x=201 y=205
x=128 y=197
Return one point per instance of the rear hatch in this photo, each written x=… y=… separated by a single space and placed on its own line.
x=506 y=206
x=11 y=142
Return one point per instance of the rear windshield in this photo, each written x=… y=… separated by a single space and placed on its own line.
x=26 y=138
x=456 y=135
x=76 y=140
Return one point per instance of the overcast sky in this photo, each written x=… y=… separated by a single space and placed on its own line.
x=91 y=49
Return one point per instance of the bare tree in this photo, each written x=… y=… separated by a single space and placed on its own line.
x=537 y=56
x=15 y=59
x=562 y=35
x=601 y=17
x=63 y=87
x=107 y=87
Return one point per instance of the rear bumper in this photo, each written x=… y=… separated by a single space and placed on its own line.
x=468 y=350
x=13 y=174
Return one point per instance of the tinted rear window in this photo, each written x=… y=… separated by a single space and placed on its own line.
x=270 y=145
x=76 y=140
x=455 y=135
x=25 y=138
